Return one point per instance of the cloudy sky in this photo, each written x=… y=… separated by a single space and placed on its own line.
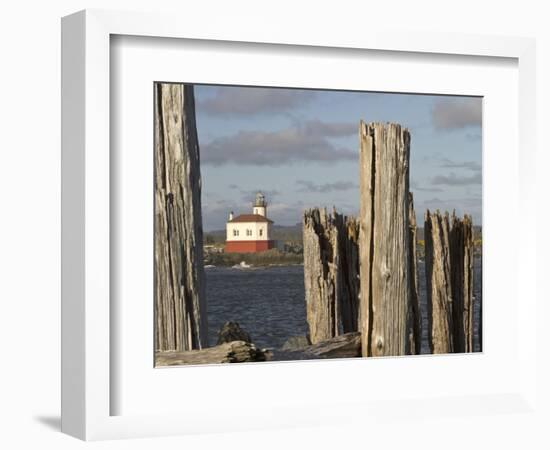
x=300 y=147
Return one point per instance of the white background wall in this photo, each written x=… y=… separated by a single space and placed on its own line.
x=30 y=198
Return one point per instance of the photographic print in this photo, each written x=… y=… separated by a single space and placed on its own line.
x=299 y=224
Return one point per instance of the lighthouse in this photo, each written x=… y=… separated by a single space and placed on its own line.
x=250 y=233
x=260 y=205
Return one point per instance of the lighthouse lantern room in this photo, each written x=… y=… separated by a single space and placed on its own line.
x=250 y=233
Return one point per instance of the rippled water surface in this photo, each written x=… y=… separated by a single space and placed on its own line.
x=269 y=302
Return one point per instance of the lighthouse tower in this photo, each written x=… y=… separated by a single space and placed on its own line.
x=260 y=205
x=250 y=233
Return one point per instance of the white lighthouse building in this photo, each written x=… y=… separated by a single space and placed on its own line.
x=250 y=233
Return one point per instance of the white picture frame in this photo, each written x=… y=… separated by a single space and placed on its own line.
x=88 y=386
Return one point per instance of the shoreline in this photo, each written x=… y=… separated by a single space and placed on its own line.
x=267 y=258
x=252 y=266
x=258 y=261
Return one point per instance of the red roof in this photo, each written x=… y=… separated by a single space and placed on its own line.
x=250 y=218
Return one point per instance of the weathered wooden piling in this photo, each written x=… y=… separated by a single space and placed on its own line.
x=461 y=244
x=414 y=319
x=449 y=282
x=438 y=282
x=348 y=241
x=330 y=274
x=384 y=242
x=480 y=324
x=321 y=277
x=180 y=299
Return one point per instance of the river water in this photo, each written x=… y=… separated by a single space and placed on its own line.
x=268 y=302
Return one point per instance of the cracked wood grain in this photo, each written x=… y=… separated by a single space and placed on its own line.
x=384 y=242
x=180 y=299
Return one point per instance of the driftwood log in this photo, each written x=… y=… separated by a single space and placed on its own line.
x=229 y=352
x=180 y=299
x=438 y=282
x=343 y=346
x=330 y=273
x=384 y=241
x=414 y=319
x=346 y=345
x=461 y=243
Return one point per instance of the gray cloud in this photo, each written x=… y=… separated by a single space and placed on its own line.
x=449 y=204
x=416 y=187
x=473 y=136
x=310 y=186
x=286 y=213
x=427 y=189
x=215 y=212
x=249 y=195
x=330 y=128
x=250 y=100
x=466 y=205
x=455 y=180
x=471 y=165
x=303 y=142
x=456 y=113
